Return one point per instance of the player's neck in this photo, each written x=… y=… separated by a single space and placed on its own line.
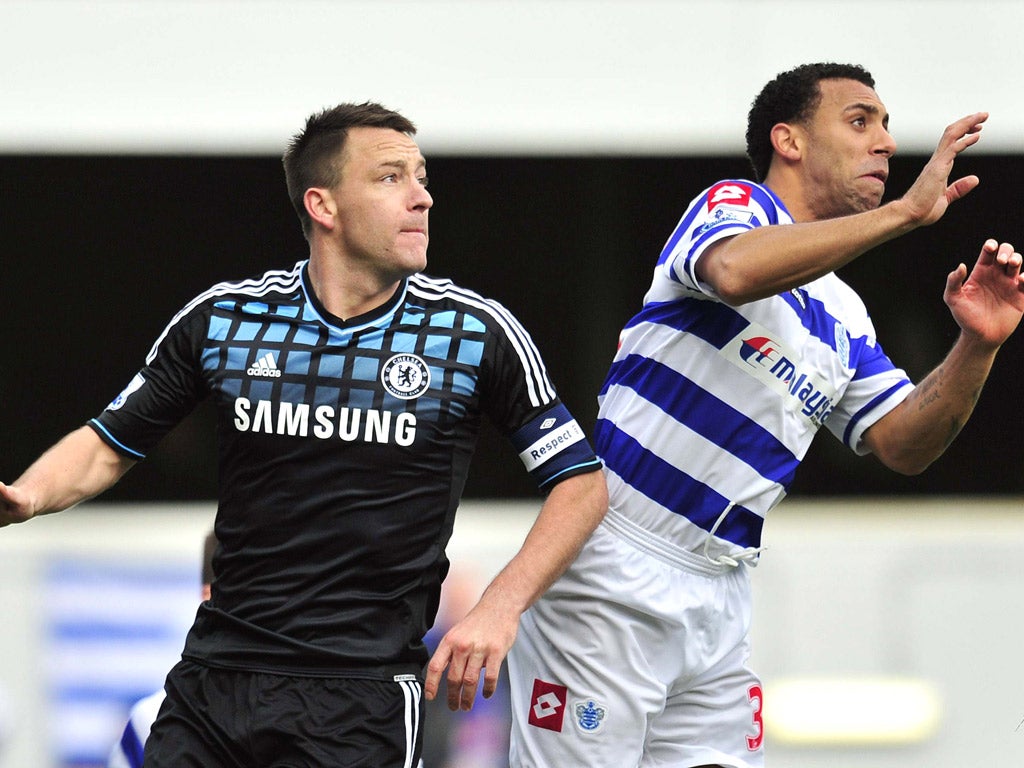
x=789 y=189
x=345 y=290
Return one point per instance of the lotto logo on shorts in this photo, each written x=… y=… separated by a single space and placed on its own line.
x=547 y=705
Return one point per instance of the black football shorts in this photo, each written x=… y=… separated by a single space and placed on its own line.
x=216 y=718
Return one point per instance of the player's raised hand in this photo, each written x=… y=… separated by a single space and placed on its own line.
x=989 y=302
x=932 y=193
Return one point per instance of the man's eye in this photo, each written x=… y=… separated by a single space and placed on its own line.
x=424 y=180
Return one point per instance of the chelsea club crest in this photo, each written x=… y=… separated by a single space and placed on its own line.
x=405 y=376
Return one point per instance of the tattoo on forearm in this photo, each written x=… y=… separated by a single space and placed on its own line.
x=928 y=392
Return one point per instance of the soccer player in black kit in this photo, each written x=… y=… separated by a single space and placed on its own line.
x=349 y=390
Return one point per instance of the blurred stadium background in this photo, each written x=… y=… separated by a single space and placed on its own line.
x=139 y=162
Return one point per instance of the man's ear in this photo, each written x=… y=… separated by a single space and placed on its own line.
x=788 y=141
x=320 y=206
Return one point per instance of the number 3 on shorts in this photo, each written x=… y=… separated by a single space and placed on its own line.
x=757 y=700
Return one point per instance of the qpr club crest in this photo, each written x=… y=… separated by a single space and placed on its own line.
x=405 y=376
x=842 y=344
x=589 y=715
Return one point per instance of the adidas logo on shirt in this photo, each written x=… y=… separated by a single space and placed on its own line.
x=265 y=366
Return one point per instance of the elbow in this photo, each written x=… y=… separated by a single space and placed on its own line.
x=909 y=469
x=908 y=463
x=734 y=287
x=901 y=449
x=734 y=296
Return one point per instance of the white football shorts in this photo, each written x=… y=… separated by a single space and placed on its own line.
x=637 y=657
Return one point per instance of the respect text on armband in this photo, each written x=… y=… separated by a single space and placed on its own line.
x=551 y=444
x=571 y=434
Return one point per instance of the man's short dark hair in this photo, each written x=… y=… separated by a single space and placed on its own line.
x=313 y=158
x=792 y=97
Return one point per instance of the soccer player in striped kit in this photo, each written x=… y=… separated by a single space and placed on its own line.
x=745 y=346
x=349 y=389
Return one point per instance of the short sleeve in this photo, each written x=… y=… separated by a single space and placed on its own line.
x=161 y=394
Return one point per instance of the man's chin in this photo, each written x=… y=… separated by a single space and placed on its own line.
x=416 y=262
x=868 y=203
x=872 y=198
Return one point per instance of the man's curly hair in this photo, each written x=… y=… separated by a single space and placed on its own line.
x=792 y=97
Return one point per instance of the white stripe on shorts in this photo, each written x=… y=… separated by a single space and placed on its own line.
x=413 y=693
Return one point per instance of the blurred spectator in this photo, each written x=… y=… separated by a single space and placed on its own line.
x=127 y=753
x=477 y=738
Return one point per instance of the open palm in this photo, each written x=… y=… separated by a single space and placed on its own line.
x=989 y=302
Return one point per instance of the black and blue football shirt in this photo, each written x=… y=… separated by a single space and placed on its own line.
x=343 y=452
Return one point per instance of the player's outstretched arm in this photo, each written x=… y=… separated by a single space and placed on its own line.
x=480 y=642
x=766 y=261
x=78 y=467
x=987 y=305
